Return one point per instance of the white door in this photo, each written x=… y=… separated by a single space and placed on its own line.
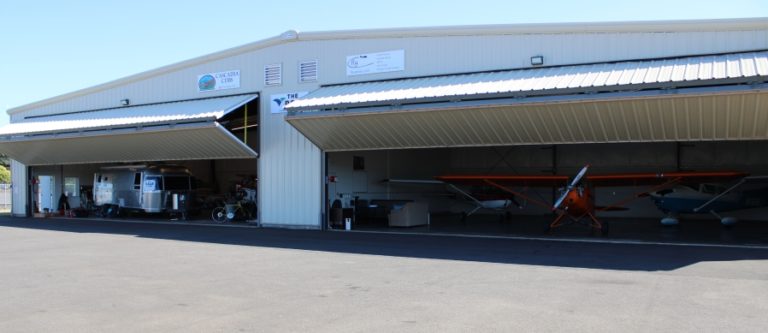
x=45 y=193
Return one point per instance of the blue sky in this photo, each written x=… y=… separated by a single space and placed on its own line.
x=54 y=47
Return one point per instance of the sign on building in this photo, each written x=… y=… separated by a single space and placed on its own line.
x=381 y=62
x=218 y=81
x=278 y=101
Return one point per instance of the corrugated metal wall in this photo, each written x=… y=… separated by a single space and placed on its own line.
x=19 y=182
x=290 y=167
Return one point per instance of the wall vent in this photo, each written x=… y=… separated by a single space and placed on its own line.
x=308 y=71
x=273 y=75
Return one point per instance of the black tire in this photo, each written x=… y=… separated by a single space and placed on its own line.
x=605 y=228
x=219 y=215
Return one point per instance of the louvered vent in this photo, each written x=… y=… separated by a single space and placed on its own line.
x=273 y=75
x=308 y=71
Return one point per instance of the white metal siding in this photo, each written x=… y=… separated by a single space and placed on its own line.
x=19 y=181
x=290 y=175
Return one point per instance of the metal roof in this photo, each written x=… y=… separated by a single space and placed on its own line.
x=154 y=114
x=747 y=67
x=184 y=130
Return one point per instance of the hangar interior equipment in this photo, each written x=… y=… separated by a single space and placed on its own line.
x=368 y=184
x=217 y=146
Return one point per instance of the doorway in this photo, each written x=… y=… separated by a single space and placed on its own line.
x=45 y=193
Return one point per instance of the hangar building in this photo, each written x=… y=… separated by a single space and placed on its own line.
x=317 y=117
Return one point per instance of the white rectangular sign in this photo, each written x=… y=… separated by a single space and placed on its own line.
x=150 y=185
x=218 y=81
x=277 y=102
x=382 y=62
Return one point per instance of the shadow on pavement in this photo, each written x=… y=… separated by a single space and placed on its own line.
x=633 y=257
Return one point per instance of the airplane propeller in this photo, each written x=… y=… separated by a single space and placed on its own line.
x=568 y=189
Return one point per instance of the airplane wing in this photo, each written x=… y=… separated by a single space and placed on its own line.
x=412 y=181
x=654 y=182
x=623 y=179
x=515 y=180
x=630 y=179
x=742 y=181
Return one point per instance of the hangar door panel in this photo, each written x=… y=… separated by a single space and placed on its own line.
x=688 y=98
x=631 y=119
x=199 y=142
x=160 y=132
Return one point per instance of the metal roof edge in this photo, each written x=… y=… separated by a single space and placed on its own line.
x=247 y=98
x=150 y=126
x=534 y=28
x=547 y=28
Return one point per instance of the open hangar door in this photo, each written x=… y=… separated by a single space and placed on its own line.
x=213 y=140
x=368 y=186
x=695 y=119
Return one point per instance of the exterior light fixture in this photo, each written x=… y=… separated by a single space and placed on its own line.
x=125 y=102
x=537 y=60
x=290 y=35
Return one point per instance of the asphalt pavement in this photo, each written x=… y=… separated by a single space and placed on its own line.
x=69 y=275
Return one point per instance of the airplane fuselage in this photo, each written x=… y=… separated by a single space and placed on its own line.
x=683 y=200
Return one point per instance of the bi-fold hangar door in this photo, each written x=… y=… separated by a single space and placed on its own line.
x=185 y=130
x=698 y=98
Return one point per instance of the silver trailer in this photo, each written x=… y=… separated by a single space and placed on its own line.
x=147 y=188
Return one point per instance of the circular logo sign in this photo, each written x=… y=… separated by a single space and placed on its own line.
x=206 y=82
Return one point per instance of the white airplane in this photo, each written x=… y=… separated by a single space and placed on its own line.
x=710 y=198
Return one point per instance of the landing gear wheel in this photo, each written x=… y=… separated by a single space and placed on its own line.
x=219 y=214
x=463 y=217
x=605 y=228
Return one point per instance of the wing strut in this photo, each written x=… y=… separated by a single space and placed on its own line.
x=478 y=204
x=729 y=190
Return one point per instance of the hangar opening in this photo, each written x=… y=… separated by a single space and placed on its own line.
x=521 y=136
x=180 y=158
x=402 y=190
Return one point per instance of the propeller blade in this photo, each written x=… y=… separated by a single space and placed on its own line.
x=568 y=189
x=561 y=199
x=578 y=177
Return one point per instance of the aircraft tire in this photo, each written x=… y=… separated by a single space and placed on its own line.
x=728 y=221
x=605 y=228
